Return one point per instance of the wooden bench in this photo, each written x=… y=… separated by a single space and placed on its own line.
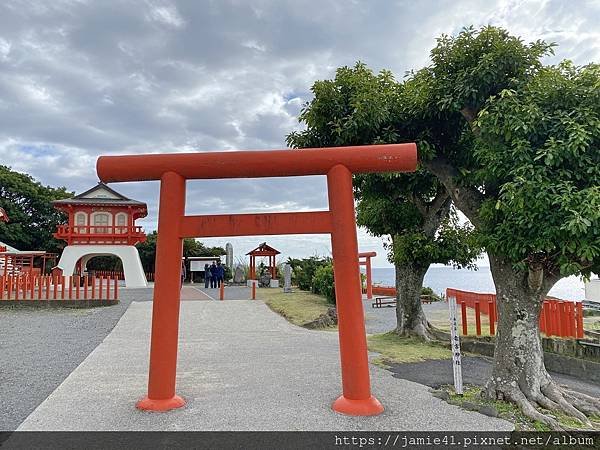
x=390 y=302
x=381 y=302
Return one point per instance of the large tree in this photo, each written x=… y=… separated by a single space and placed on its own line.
x=413 y=210
x=32 y=216
x=528 y=178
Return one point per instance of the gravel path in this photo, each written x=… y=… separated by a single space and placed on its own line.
x=39 y=348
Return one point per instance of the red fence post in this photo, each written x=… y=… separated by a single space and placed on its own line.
x=561 y=319
x=70 y=287
x=579 y=319
x=62 y=287
x=1 y=287
x=492 y=316
x=94 y=287
x=55 y=290
x=85 y=287
x=116 y=288
x=77 y=283
x=253 y=290
x=222 y=291
x=478 y=318
x=100 y=287
x=17 y=287
x=572 y=331
x=463 y=313
x=10 y=286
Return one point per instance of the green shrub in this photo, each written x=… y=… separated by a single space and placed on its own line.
x=323 y=284
x=428 y=291
x=303 y=270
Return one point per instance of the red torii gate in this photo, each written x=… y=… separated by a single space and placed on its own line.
x=338 y=163
x=367 y=263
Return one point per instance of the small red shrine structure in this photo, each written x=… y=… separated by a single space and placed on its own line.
x=261 y=251
x=102 y=222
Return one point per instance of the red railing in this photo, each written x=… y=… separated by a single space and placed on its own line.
x=119 y=275
x=100 y=234
x=560 y=318
x=384 y=290
x=49 y=287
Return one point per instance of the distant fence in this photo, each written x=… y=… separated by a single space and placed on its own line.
x=118 y=274
x=557 y=318
x=49 y=288
x=384 y=290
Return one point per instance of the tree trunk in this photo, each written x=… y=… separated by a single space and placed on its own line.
x=410 y=318
x=519 y=374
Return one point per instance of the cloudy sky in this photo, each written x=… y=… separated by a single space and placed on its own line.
x=80 y=78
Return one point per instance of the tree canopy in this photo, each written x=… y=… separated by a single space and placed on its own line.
x=28 y=204
x=413 y=210
x=541 y=146
x=360 y=107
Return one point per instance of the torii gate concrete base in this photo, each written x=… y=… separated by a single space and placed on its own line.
x=128 y=254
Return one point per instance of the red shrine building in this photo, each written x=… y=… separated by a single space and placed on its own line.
x=102 y=222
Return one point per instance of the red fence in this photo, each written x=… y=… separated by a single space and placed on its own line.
x=384 y=290
x=48 y=287
x=119 y=275
x=558 y=317
x=108 y=274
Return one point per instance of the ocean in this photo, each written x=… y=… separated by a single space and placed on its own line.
x=440 y=278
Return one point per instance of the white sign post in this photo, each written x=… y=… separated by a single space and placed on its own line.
x=455 y=340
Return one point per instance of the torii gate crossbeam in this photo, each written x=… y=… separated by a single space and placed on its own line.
x=338 y=164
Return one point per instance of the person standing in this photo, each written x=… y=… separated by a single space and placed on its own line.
x=207 y=276
x=220 y=274
x=213 y=275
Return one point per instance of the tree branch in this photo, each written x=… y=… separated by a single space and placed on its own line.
x=468 y=200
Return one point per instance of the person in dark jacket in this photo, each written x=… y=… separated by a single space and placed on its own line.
x=220 y=274
x=207 y=276
x=213 y=275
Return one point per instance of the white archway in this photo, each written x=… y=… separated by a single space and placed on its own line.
x=128 y=254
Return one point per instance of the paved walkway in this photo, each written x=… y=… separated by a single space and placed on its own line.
x=241 y=367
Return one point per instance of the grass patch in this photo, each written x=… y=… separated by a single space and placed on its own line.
x=298 y=307
x=397 y=349
x=510 y=412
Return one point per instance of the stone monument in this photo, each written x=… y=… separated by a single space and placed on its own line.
x=238 y=276
x=229 y=255
x=287 y=278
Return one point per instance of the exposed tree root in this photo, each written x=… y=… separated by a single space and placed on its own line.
x=550 y=397
x=422 y=330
